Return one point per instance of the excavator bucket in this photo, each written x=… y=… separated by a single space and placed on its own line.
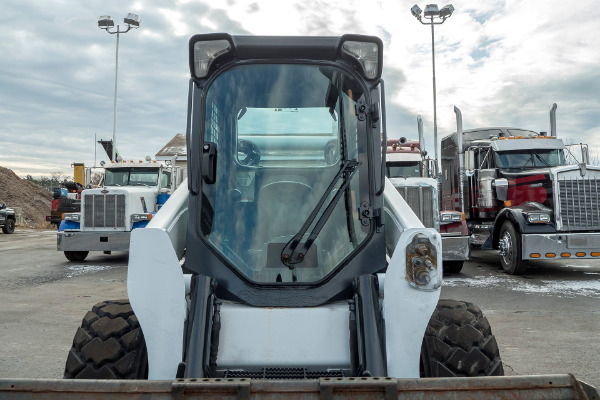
x=508 y=387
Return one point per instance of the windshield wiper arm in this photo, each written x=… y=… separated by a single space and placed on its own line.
x=541 y=158
x=290 y=255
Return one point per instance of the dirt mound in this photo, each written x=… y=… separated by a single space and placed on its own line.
x=34 y=200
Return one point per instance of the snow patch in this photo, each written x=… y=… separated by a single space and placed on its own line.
x=76 y=270
x=555 y=288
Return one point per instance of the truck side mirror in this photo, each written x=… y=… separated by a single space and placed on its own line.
x=469 y=162
x=501 y=185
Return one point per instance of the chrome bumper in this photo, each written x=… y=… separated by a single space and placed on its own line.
x=92 y=241
x=456 y=248
x=560 y=245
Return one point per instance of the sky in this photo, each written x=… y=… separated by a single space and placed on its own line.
x=501 y=62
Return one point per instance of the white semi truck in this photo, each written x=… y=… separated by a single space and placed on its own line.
x=131 y=194
x=411 y=173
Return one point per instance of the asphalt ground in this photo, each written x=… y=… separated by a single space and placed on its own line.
x=546 y=321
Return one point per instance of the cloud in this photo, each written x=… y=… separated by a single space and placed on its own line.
x=503 y=62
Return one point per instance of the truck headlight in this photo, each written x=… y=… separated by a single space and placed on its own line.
x=141 y=217
x=538 y=218
x=448 y=217
x=421 y=264
x=75 y=217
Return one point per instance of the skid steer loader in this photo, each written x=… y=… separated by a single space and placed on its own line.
x=289 y=266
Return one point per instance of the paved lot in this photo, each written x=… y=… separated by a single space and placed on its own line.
x=546 y=321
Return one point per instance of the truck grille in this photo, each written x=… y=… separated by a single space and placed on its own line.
x=104 y=211
x=420 y=199
x=579 y=203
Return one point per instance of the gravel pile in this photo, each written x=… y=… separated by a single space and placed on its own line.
x=34 y=200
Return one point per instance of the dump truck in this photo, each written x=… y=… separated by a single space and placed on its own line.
x=305 y=274
x=66 y=198
x=519 y=195
x=414 y=175
x=131 y=194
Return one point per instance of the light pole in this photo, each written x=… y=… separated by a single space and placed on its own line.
x=105 y=22
x=431 y=13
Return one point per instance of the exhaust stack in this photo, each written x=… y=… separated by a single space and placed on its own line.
x=553 y=120
x=420 y=129
x=461 y=158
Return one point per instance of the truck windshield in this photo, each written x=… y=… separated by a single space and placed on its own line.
x=282 y=134
x=403 y=170
x=542 y=158
x=128 y=176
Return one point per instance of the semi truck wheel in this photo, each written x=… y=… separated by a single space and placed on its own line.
x=9 y=226
x=510 y=243
x=452 y=267
x=108 y=345
x=76 y=255
x=459 y=342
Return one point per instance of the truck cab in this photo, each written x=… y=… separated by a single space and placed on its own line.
x=412 y=174
x=131 y=194
x=520 y=196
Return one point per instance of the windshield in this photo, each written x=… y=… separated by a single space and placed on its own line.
x=128 y=176
x=283 y=133
x=542 y=158
x=403 y=170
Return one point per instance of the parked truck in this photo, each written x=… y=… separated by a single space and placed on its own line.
x=519 y=196
x=289 y=292
x=414 y=176
x=7 y=219
x=131 y=194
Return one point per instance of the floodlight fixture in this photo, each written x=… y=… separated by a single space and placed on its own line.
x=132 y=20
x=105 y=22
x=431 y=10
x=416 y=11
x=446 y=11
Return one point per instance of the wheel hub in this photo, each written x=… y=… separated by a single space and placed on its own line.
x=504 y=245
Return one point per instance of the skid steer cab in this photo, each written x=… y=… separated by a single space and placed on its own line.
x=301 y=263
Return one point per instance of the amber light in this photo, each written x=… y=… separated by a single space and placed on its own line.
x=595 y=254
x=565 y=254
x=580 y=254
x=550 y=255
x=507 y=203
x=534 y=255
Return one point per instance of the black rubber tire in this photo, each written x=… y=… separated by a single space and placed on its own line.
x=512 y=262
x=9 y=226
x=459 y=342
x=76 y=255
x=108 y=345
x=452 y=267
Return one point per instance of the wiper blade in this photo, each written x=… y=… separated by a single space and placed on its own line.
x=541 y=158
x=290 y=255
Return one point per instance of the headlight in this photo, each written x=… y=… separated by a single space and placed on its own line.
x=448 y=217
x=141 y=217
x=75 y=217
x=206 y=52
x=367 y=55
x=538 y=218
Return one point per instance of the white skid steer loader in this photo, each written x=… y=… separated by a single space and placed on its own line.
x=305 y=273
